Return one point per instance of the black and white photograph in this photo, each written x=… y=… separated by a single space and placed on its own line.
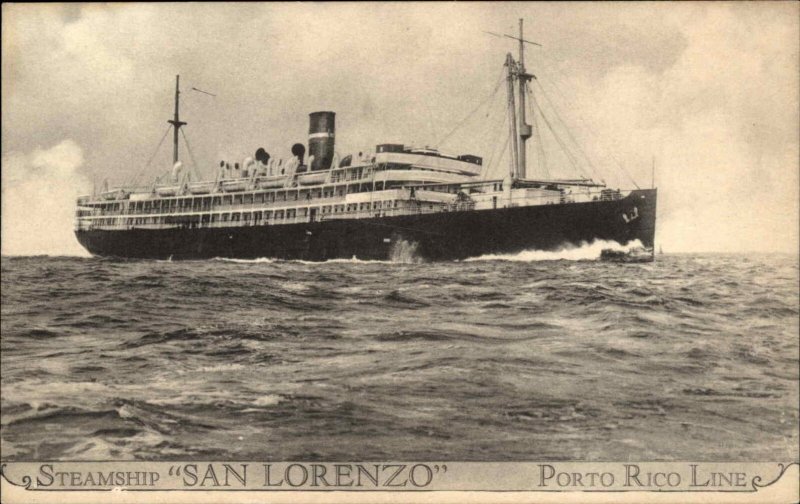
x=488 y=246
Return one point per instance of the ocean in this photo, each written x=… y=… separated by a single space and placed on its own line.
x=534 y=356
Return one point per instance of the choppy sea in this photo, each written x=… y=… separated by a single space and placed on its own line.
x=533 y=356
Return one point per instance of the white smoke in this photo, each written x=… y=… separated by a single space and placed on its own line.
x=39 y=193
x=584 y=252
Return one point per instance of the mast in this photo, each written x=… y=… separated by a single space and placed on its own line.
x=653 y=174
x=176 y=122
x=525 y=130
x=520 y=131
x=512 y=118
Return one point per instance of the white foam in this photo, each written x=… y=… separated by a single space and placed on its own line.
x=404 y=252
x=245 y=261
x=294 y=286
x=268 y=400
x=352 y=260
x=584 y=252
x=407 y=255
x=267 y=260
x=220 y=368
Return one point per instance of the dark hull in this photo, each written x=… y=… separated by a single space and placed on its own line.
x=435 y=236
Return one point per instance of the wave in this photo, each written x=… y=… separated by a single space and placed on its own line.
x=268 y=260
x=583 y=252
x=95 y=348
x=259 y=260
x=352 y=260
x=80 y=254
x=268 y=400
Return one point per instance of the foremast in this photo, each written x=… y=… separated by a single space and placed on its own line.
x=176 y=121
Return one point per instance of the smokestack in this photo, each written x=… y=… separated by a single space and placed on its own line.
x=321 y=136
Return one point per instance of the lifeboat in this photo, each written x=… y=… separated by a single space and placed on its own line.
x=234 y=185
x=267 y=182
x=201 y=187
x=312 y=178
x=167 y=190
x=113 y=195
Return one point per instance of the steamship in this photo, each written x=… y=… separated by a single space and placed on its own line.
x=395 y=202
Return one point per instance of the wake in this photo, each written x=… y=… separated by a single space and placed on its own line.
x=584 y=252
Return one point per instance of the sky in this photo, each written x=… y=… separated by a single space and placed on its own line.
x=706 y=92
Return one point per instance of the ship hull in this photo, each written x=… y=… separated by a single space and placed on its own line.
x=433 y=236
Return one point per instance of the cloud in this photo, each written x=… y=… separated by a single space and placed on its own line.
x=39 y=192
x=720 y=121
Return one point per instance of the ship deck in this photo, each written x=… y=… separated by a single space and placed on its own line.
x=444 y=235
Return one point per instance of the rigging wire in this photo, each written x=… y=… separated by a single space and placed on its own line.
x=468 y=116
x=502 y=153
x=158 y=147
x=502 y=127
x=494 y=131
x=135 y=179
x=585 y=124
x=575 y=142
x=595 y=171
x=191 y=156
x=570 y=157
x=494 y=162
x=541 y=157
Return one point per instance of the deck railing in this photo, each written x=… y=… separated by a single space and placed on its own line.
x=197 y=220
x=205 y=217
